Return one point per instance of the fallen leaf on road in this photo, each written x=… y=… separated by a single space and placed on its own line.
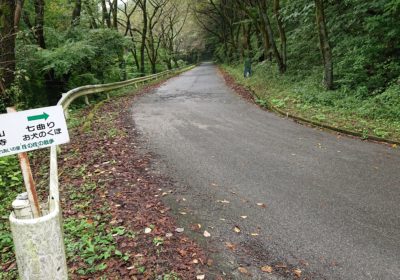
x=243 y=217
x=243 y=270
x=223 y=201
x=304 y=263
x=281 y=265
x=230 y=246
x=236 y=229
x=267 y=268
x=182 y=213
x=394 y=146
x=254 y=234
x=206 y=234
x=195 y=227
x=261 y=205
x=297 y=272
x=180 y=230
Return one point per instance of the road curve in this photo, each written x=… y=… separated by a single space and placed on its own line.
x=332 y=202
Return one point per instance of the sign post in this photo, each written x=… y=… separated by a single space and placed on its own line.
x=28 y=179
x=38 y=239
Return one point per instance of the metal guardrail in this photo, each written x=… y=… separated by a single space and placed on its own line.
x=69 y=97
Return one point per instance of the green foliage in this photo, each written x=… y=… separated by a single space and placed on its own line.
x=66 y=58
x=158 y=241
x=171 y=276
x=73 y=58
x=364 y=37
x=377 y=115
x=91 y=242
x=11 y=184
x=10 y=177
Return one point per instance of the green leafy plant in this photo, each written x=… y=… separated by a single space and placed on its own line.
x=158 y=241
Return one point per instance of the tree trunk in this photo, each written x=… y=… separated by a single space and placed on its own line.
x=282 y=34
x=114 y=11
x=324 y=45
x=268 y=29
x=106 y=16
x=135 y=58
x=7 y=49
x=39 y=23
x=246 y=39
x=144 y=35
x=76 y=13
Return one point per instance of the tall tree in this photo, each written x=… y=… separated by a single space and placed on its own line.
x=126 y=22
x=143 y=6
x=39 y=23
x=10 y=14
x=324 y=44
x=282 y=34
x=171 y=27
x=7 y=46
x=106 y=16
x=263 y=11
x=76 y=13
x=153 y=40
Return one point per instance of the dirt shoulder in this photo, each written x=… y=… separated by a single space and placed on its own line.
x=116 y=225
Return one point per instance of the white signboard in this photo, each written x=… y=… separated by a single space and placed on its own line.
x=32 y=129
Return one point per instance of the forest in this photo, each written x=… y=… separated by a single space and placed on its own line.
x=49 y=47
x=332 y=61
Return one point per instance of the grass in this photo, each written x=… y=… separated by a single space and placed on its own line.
x=377 y=115
x=11 y=184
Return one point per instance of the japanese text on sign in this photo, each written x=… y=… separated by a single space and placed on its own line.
x=32 y=129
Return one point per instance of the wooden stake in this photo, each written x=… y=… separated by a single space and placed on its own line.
x=28 y=179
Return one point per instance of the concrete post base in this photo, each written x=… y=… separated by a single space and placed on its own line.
x=39 y=247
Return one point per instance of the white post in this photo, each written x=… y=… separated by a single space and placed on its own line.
x=39 y=247
x=38 y=240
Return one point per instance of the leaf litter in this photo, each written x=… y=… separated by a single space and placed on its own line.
x=124 y=197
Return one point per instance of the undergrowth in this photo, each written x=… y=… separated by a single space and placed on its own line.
x=88 y=241
x=377 y=114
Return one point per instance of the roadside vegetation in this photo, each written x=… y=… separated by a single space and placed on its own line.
x=50 y=47
x=373 y=116
x=115 y=225
x=333 y=62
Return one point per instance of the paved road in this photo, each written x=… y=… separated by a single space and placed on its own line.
x=332 y=203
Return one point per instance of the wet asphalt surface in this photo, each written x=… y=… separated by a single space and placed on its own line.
x=326 y=204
